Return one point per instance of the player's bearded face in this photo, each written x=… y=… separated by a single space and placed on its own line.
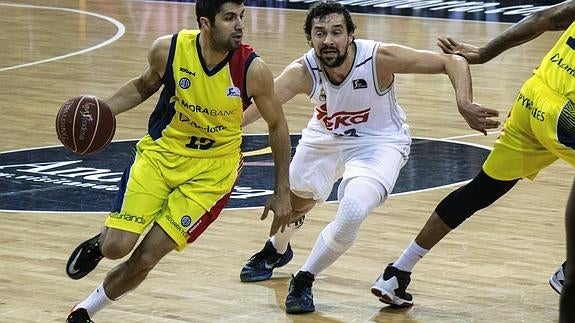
x=227 y=29
x=330 y=39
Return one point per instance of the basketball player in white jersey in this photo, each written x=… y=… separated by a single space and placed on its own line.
x=358 y=133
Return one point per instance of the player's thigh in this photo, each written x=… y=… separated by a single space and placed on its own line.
x=381 y=162
x=558 y=133
x=314 y=170
x=528 y=142
x=141 y=194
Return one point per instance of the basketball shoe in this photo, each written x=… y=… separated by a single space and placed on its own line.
x=391 y=287
x=79 y=315
x=84 y=258
x=261 y=265
x=556 y=281
x=300 y=298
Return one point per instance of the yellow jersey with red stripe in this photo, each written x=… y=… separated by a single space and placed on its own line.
x=200 y=110
x=557 y=69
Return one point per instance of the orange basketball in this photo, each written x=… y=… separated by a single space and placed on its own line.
x=85 y=124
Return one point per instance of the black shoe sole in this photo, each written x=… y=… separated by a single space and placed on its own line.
x=387 y=300
x=299 y=311
x=78 y=274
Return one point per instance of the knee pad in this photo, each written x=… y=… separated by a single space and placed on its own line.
x=478 y=194
x=343 y=230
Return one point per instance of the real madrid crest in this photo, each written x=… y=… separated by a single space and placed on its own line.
x=322 y=94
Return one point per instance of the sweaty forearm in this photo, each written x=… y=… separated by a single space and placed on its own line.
x=458 y=71
x=281 y=152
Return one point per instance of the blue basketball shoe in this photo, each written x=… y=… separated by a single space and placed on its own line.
x=300 y=298
x=261 y=265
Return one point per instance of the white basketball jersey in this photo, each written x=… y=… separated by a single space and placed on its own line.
x=356 y=107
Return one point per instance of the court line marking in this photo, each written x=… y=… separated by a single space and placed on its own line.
x=121 y=29
x=450 y=139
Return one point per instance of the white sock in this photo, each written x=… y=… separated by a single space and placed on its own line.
x=321 y=256
x=95 y=302
x=410 y=256
x=280 y=240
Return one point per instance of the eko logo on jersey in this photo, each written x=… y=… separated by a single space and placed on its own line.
x=342 y=118
x=52 y=179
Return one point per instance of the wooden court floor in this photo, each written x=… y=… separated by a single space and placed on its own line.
x=494 y=268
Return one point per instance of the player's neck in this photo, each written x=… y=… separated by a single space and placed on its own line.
x=211 y=55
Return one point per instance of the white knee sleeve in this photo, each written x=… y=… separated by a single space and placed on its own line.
x=360 y=197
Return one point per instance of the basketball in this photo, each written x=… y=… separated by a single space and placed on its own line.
x=85 y=124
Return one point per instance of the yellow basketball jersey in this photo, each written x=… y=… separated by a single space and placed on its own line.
x=557 y=70
x=199 y=113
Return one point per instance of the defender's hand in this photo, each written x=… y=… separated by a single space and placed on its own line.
x=469 y=52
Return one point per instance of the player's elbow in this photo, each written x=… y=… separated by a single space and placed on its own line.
x=454 y=62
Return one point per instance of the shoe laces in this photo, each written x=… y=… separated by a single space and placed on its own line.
x=302 y=283
x=94 y=248
x=299 y=288
x=263 y=255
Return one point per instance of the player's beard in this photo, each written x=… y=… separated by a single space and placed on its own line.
x=335 y=62
x=226 y=43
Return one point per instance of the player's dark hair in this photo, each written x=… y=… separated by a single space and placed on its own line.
x=210 y=8
x=323 y=8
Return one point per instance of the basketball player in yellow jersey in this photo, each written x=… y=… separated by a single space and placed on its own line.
x=183 y=171
x=539 y=130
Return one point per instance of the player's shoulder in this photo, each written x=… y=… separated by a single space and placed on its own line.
x=258 y=71
x=297 y=69
x=161 y=45
x=389 y=49
x=164 y=42
x=159 y=52
x=298 y=63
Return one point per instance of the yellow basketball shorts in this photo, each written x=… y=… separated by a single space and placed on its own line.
x=539 y=130
x=184 y=195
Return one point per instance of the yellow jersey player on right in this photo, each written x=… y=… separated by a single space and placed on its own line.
x=539 y=130
x=541 y=126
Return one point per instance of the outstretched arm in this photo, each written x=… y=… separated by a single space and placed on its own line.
x=401 y=59
x=139 y=89
x=557 y=17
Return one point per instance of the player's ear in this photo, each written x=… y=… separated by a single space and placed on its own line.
x=204 y=22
